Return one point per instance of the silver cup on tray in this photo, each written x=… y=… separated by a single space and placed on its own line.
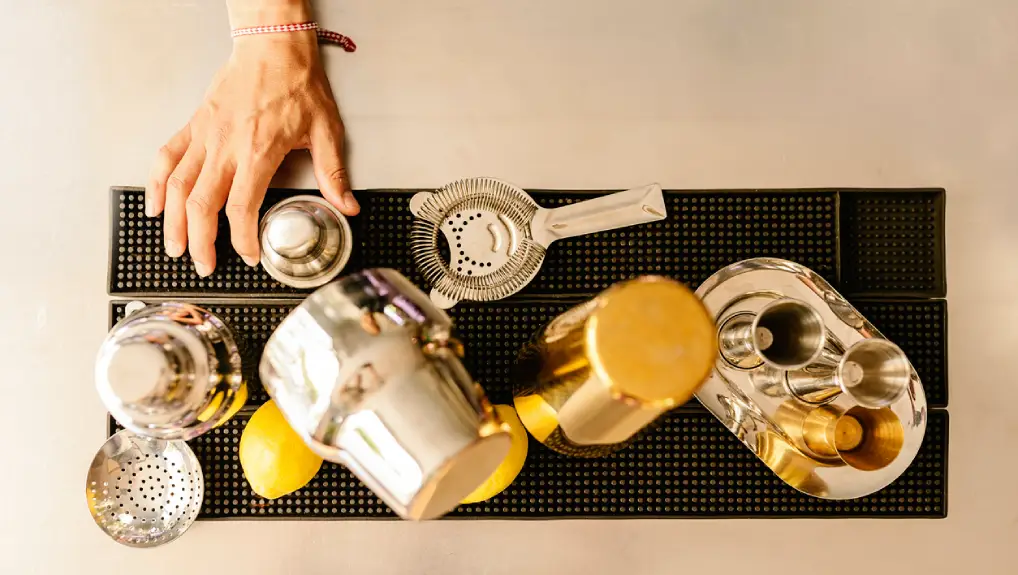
x=874 y=372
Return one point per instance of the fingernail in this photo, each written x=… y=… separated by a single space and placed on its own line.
x=202 y=268
x=252 y=262
x=174 y=249
x=350 y=202
x=149 y=210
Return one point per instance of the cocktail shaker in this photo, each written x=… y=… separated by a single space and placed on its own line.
x=366 y=371
x=170 y=371
x=604 y=370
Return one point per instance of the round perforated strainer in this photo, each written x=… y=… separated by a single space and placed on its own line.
x=144 y=492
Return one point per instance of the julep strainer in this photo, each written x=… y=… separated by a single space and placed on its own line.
x=144 y=492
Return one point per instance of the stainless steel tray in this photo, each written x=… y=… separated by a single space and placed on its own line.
x=755 y=404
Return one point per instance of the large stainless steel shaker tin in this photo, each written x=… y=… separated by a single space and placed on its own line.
x=365 y=370
x=604 y=370
x=170 y=371
x=305 y=241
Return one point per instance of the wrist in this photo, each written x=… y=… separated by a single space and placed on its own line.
x=248 y=13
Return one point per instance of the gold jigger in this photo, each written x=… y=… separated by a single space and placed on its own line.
x=863 y=438
x=604 y=370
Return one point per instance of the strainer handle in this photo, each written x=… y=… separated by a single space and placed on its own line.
x=629 y=208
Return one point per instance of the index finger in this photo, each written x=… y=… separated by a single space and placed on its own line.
x=166 y=160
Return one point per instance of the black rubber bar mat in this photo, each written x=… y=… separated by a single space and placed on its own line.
x=891 y=243
x=687 y=466
x=883 y=249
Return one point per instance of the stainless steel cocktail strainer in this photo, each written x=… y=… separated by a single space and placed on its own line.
x=497 y=234
x=144 y=492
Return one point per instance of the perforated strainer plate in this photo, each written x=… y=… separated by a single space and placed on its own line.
x=486 y=224
x=144 y=492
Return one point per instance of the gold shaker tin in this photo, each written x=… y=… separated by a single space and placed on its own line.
x=605 y=369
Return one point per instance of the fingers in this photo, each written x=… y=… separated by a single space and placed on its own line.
x=166 y=160
x=327 y=155
x=246 y=195
x=203 y=205
x=178 y=187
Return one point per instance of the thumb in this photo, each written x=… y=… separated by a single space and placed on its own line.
x=327 y=155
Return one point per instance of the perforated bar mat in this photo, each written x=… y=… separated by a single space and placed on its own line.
x=891 y=243
x=877 y=247
x=494 y=332
x=689 y=465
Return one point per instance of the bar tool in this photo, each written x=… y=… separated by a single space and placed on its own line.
x=785 y=334
x=819 y=395
x=144 y=492
x=873 y=372
x=305 y=241
x=604 y=370
x=862 y=438
x=170 y=371
x=497 y=235
x=367 y=372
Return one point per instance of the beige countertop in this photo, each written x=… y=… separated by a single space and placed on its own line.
x=552 y=94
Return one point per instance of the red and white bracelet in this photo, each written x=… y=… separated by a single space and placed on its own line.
x=327 y=36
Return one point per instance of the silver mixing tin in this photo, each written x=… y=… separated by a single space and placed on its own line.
x=366 y=371
x=170 y=371
x=305 y=241
x=756 y=405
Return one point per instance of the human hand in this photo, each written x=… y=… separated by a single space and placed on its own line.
x=271 y=97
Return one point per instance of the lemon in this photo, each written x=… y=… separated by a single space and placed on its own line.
x=276 y=461
x=513 y=462
x=239 y=399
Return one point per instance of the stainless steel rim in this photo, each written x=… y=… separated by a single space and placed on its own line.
x=144 y=492
x=337 y=265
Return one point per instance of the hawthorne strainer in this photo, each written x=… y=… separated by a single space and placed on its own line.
x=144 y=492
x=497 y=235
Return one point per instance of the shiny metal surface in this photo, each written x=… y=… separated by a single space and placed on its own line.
x=144 y=492
x=873 y=372
x=170 y=371
x=366 y=371
x=843 y=448
x=785 y=334
x=305 y=241
x=498 y=235
x=602 y=371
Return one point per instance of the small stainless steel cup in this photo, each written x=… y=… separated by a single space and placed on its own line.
x=170 y=371
x=366 y=371
x=785 y=334
x=305 y=241
x=874 y=372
